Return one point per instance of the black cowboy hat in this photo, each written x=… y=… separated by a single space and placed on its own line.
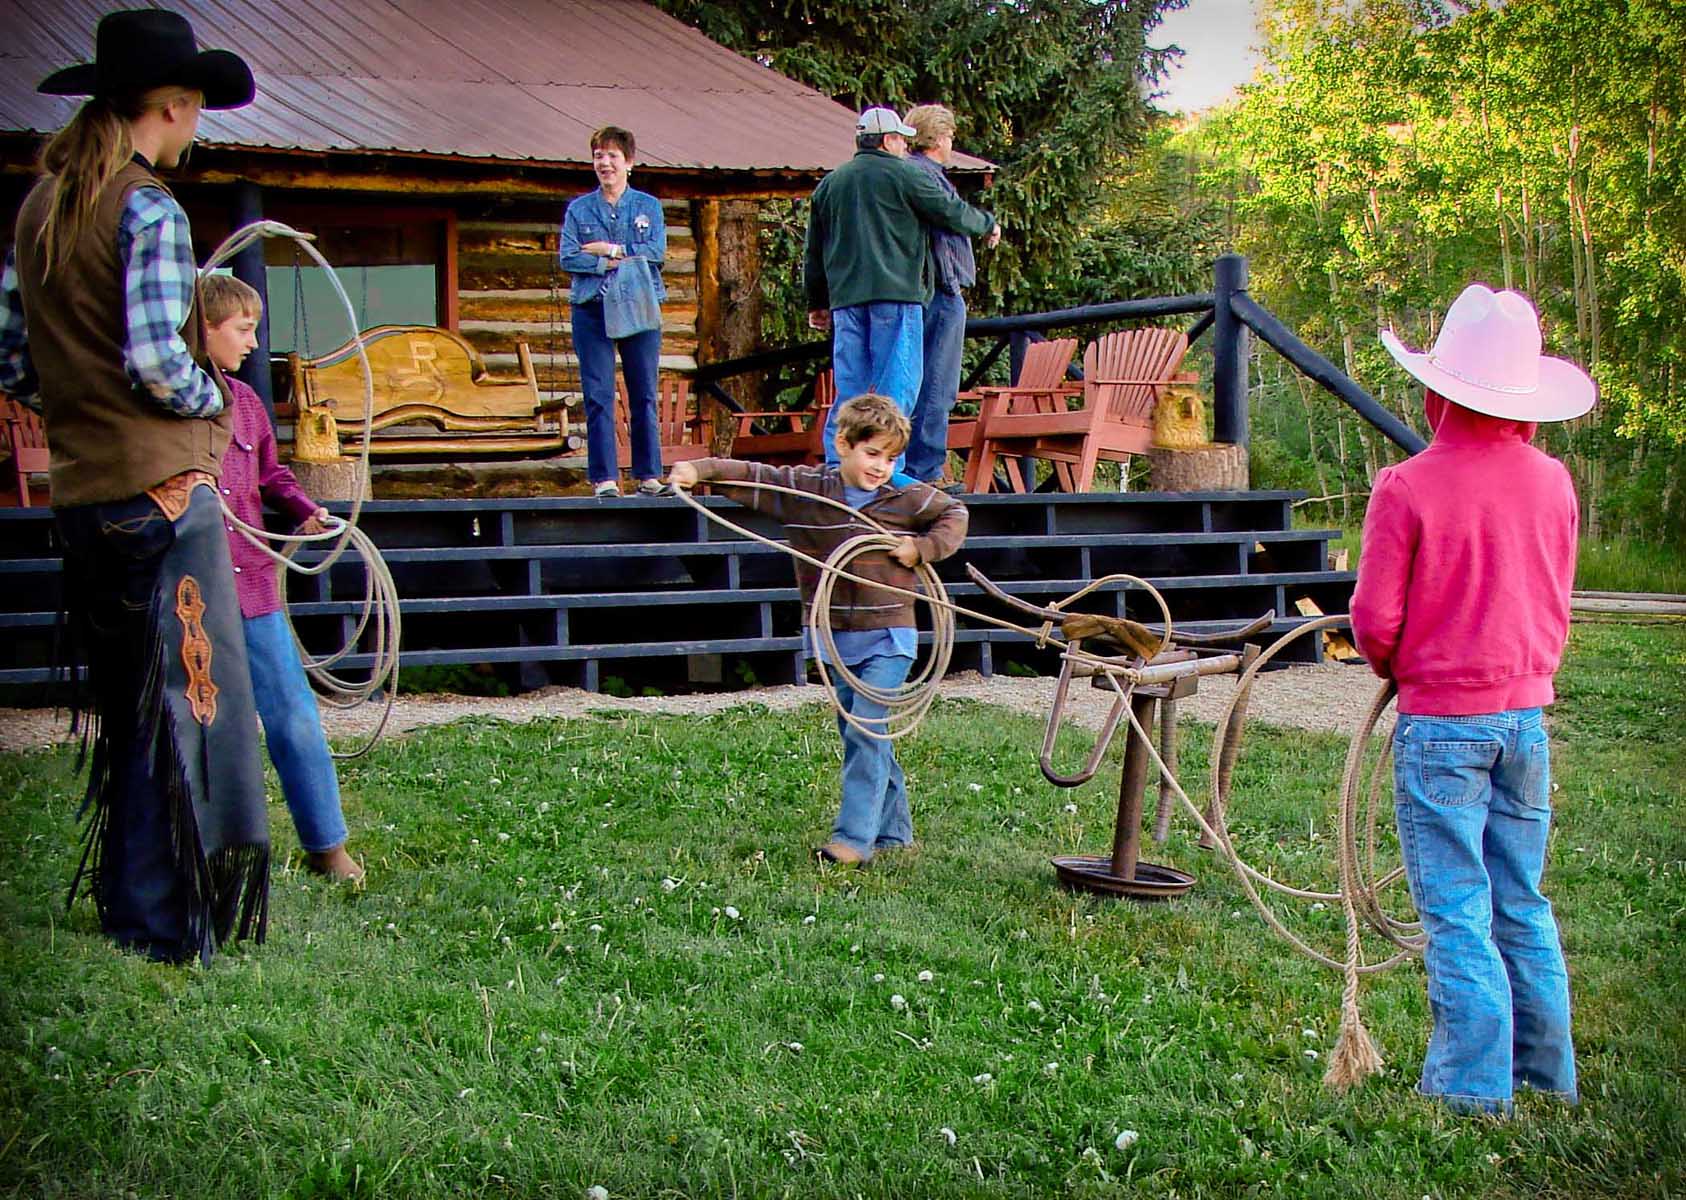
x=139 y=49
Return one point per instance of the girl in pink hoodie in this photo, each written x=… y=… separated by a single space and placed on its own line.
x=1463 y=602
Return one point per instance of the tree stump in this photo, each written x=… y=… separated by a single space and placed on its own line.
x=344 y=479
x=1220 y=467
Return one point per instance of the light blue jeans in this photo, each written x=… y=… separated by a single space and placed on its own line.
x=876 y=347
x=1472 y=796
x=874 y=812
x=945 y=341
x=292 y=728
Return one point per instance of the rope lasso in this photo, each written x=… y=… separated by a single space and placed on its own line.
x=380 y=592
x=1355 y=1055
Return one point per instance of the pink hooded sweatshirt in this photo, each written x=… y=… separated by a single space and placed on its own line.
x=1468 y=559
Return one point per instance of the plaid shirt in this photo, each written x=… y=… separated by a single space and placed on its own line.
x=156 y=249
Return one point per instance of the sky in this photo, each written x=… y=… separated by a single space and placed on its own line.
x=1217 y=38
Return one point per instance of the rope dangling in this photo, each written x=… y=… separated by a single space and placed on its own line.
x=1356 y=1056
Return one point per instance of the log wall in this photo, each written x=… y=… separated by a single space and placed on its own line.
x=510 y=288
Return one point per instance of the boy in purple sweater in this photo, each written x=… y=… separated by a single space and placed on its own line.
x=1463 y=601
x=252 y=474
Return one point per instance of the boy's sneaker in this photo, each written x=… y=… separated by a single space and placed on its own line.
x=606 y=491
x=651 y=487
x=841 y=853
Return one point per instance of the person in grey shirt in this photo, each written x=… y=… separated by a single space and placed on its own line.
x=945 y=312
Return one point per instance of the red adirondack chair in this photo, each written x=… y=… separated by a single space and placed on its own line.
x=1123 y=375
x=26 y=445
x=684 y=425
x=800 y=441
x=1041 y=389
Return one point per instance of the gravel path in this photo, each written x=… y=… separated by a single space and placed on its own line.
x=1330 y=697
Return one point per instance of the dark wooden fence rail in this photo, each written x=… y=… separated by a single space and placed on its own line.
x=1228 y=311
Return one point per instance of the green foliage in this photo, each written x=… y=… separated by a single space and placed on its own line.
x=1392 y=151
x=1051 y=91
x=459 y=679
x=597 y=952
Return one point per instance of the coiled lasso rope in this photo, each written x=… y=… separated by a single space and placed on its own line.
x=1355 y=1055
x=379 y=612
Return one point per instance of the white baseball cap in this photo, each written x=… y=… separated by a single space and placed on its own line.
x=883 y=120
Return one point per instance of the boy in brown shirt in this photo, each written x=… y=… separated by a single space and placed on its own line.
x=873 y=629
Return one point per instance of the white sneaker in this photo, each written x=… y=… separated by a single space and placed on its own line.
x=606 y=490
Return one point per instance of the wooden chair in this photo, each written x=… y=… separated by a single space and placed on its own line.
x=1123 y=374
x=1041 y=389
x=684 y=426
x=426 y=377
x=26 y=445
x=802 y=440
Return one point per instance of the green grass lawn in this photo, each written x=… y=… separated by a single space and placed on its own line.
x=595 y=952
x=1601 y=565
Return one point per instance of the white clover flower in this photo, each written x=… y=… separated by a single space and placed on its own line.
x=596 y=928
x=493 y=782
x=808 y=920
x=391 y=928
x=503 y=837
x=465 y=1093
x=1126 y=1138
x=948 y=1135
x=669 y=884
x=1319 y=906
x=1311 y=1054
x=986 y=1077
x=596 y=1192
x=544 y=807
x=878 y=977
x=976 y=787
x=794 y=1047
x=1071 y=808
x=731 y=912
x=1033 y=1005
x=855 y=949
x=926 y=977
x=898 y=1002
x=1050 y=1068
x=1308 y=1033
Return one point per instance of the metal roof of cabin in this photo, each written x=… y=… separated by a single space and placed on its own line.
x=510 y=80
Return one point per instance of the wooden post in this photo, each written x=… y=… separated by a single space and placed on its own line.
x=248 y=266
x=728 y=236
x=1229 y=353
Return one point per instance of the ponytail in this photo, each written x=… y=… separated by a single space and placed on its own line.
x=81 y=159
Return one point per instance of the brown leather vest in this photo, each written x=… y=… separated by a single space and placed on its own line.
x=107 y=439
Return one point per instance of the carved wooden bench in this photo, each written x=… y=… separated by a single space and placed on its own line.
x=432 y=396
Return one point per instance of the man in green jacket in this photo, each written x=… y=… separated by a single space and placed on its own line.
x=867 y=270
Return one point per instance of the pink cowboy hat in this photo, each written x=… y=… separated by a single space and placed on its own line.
x=1487 y=359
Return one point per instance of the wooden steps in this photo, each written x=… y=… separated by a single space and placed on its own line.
x=574 y=590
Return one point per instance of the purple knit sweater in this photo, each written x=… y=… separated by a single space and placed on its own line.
x=252 y=476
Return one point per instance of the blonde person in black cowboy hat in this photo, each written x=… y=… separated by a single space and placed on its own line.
x=99 y=329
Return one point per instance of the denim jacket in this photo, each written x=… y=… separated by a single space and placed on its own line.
x=636 y=223
x=951 y=253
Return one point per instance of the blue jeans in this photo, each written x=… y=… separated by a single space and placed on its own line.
x=292 y=728
x=640 y=360
x=875 y=347
x=874 y=812
x=1472 y=796
x=945 y=339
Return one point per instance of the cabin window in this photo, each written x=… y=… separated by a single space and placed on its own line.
x=397 y=268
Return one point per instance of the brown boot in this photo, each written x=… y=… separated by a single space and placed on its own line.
x=335 y=864
x=841 y=853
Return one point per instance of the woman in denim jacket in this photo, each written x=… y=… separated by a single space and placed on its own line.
x=600 y=230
